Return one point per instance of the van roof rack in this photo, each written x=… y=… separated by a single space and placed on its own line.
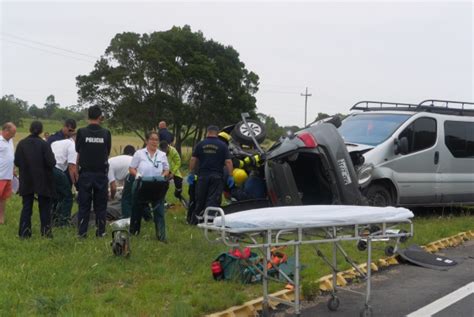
x=429 y=105
x=383 y=105
x=447 y=107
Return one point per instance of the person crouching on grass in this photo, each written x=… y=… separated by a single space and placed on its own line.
x=150 y=168
x=36 y=161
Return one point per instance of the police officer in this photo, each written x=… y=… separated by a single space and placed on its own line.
x=209 y=158
x=93 y=144
x=67 y=131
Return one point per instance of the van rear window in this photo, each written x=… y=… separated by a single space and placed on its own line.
x=459 y=138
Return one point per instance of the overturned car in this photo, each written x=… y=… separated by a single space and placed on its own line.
x=311 y=166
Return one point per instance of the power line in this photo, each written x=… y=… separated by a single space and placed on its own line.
x=48 y=45
x=277 y=92
x=50 y=52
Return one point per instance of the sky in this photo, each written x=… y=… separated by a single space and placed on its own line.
x=344 y=52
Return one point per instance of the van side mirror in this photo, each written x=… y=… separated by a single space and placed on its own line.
x=401 y=146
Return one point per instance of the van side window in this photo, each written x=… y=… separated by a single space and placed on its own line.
x=421 y=134
x=459 y=138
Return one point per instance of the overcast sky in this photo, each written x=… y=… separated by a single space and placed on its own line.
x=343 y=52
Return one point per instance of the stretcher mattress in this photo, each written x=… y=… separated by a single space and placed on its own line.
x=312 y=216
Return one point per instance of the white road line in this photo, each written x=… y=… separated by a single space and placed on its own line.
x=444 y=302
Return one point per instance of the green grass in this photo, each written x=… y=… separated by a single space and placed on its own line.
x=67 y=276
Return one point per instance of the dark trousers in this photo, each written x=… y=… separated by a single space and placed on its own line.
x=140 y=207
x=192 y=202
x=126 y=202
x=178 y=186
x=44 y=204
x=208 y=194
x=62 y=203
x=92 y=189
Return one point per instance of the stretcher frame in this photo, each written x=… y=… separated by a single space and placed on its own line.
x=317 y=234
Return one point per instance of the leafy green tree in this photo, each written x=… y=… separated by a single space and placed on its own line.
x=50 y=106
x=274 y=131
x=62 y=114
x=176 y=75
x=37 y=113
x=12 y=109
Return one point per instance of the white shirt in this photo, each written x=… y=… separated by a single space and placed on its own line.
x=7 y=158
x=64 y=153
x=149 y=166
x=118 y=167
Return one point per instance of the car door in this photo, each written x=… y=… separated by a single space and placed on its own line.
x=416 y=172
x=281 y=186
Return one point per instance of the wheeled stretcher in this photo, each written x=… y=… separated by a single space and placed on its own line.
x=295 y=226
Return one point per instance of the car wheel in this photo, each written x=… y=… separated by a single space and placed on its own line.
x=378 y=195
x=242 y=134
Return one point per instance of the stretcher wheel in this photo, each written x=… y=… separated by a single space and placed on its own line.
x=366 y=312
x=405 y=238
x=389 y=250
x=333 y=303
x=361 y=245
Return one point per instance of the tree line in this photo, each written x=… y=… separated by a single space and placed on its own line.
x=15 y=109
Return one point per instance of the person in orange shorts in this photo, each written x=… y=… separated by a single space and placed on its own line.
x=7 y=156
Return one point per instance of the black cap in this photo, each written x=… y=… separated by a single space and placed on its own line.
x=213 y=128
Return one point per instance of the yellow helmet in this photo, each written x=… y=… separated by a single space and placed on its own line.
x=240 y=176
x=224 y=136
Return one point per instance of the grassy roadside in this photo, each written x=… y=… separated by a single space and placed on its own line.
x=66 y=276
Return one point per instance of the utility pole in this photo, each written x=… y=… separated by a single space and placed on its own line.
x=306 y=95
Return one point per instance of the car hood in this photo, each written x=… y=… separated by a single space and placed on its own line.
x=354 y=147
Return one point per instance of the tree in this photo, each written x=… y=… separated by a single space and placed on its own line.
x=50 y=106
x=175 y=75
x=274 y=131
x=36 y=112
x=12 y=109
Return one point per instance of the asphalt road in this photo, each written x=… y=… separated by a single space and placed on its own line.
x=404 y=289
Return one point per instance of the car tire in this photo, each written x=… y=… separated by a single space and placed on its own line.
x=242 y=135
x=379 y=195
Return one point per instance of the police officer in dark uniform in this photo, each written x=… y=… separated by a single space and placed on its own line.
x=67 y=131
x=93 y=144
x=209 y=158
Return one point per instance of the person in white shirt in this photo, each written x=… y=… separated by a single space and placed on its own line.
x=65 y=174
x=118 y=168
x=118 y=172
x=7 y=168
x=150 y=168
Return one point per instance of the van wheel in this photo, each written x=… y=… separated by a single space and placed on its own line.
x=379 y=195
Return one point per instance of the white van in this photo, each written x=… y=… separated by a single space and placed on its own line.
x=413 y=154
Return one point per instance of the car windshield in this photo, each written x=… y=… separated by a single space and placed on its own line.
x=370 y=129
